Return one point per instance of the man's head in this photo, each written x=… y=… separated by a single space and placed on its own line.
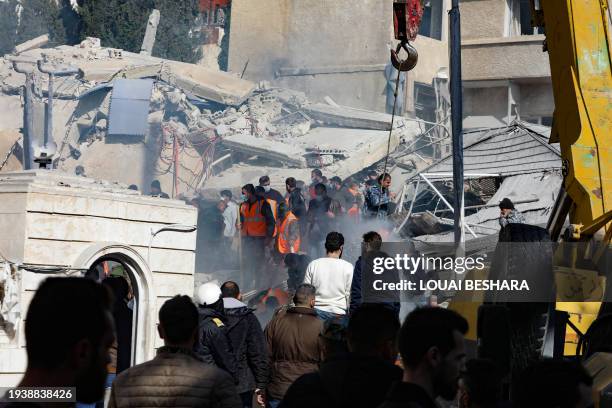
x=260 y=192
x=480 y=385
x=334 y=243
x=305 y=296
x=320 y=190
x=178 y=322
x=554 y=384
x=249 y=192
x=155 y=187
x=69 y=330
x=316 y=176
x=505 y=207
x=221 y=205
x=290 y=184
x=372 y=175
x=384 y=180
x=372 y=330
x=372 y=241
x=133 y=187
x=264 y=181
x=230 y=289
x=336 y=182
x=226 y=195
x=431 y=345
x=119 y=287
x=353 y=187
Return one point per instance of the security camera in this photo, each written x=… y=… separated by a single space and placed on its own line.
x=43 y=154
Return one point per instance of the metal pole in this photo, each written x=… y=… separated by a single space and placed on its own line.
x=456 y=117
x=28 y=115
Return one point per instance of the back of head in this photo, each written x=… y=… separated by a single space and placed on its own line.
x=371 y=327
x=506 y=204
x=304 y=294
x=119 y=287
x=179 y=319
x=551 y=384
x=249 y=188
x=482 y=383
x=230 y=289
x=334 y=241
x=429 y=327
x=208 y=294
x=372 y=241
x=226 y=194
x=317 y=172
x=63 y=312
x=320 y=189
x=156 y=184
x=259 y=191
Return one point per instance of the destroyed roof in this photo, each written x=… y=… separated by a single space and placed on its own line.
x=516 y=149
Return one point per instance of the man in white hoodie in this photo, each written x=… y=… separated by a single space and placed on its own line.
x=332 y=278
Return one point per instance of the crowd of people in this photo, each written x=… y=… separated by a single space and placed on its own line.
x=323 y=348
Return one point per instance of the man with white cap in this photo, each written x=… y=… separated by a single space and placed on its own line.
x=213 y=346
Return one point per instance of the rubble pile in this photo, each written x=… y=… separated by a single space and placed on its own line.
x=198 y=120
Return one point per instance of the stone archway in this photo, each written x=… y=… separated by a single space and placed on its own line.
x=143 y=336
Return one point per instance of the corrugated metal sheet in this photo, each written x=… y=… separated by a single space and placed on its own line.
x=129 y=107
x=515 y=149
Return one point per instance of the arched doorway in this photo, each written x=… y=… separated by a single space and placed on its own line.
x=141 y=280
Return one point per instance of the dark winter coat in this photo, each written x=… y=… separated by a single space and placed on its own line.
x=295 y=346
x=406 y=395
x=362 y=289
x=213 y=346
x=297 y=205
x=344 y=380
x=249 y=346
x=274 y=195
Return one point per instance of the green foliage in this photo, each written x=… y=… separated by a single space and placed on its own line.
x=224 y=55
x=117 y=23
x=40 y=17
x=178 y=37
x=71 y=20
x=8 y=26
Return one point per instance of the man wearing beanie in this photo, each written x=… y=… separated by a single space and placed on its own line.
x=213 y=346
x=508 y=214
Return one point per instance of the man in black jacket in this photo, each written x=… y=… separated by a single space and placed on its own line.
x=360 y=378
x=249 y=345
x=294 y=198
x=269 y=192
x=213 y=345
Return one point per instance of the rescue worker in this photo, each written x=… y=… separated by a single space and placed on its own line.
x=316 y=177
x=294 y=198
x=378 y=197
x=356 y=202
x=508 y=214
x=288 y=238
x=261 y=193
x=269 y=192
x=321 y=215
x=256 y=229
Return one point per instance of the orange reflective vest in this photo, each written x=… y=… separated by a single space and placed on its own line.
x=273 y=207
x=283 y=245
x=254 y=223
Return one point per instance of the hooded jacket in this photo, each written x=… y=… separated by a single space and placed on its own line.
x=345 y=380
x=247 y=340
x=213 y=346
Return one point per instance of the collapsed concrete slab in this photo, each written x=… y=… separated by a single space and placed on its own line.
x=344 y=116
x=271 y=149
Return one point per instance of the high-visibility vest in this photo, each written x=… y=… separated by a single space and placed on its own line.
x=283 y=245
x=254 y=223
x=274 y=207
